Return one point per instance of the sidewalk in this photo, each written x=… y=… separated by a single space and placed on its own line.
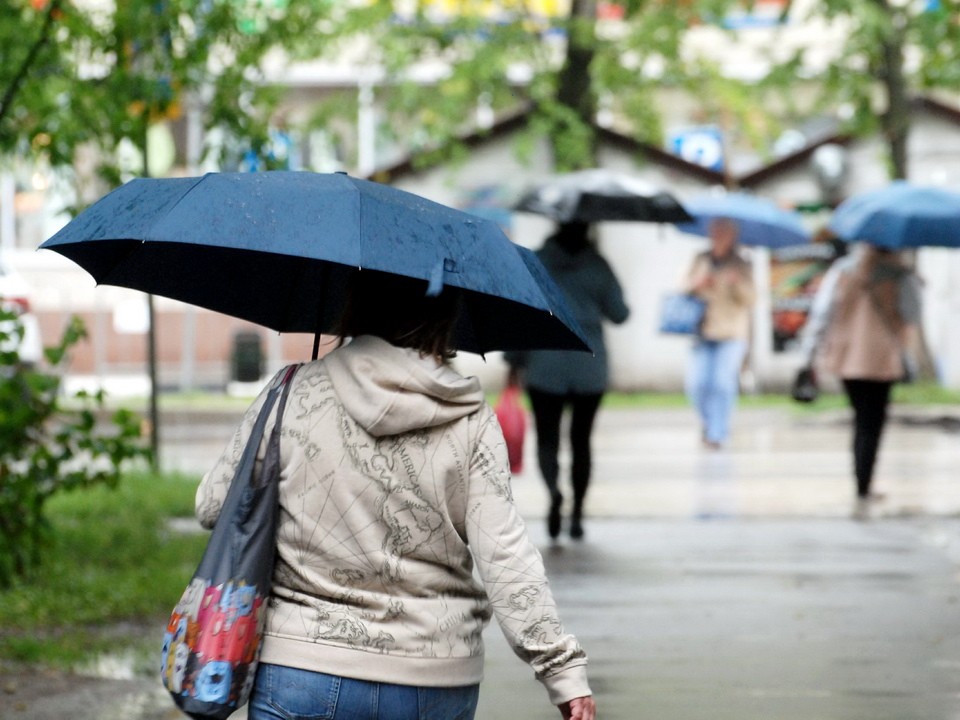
x=759 y=619
x=716 y=585
x=779 y=464
x=649 y=463
x=738 y=584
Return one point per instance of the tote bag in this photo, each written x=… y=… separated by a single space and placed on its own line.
x=513 y=422
x=681 y=314
x=804 y=388
x=212 y=642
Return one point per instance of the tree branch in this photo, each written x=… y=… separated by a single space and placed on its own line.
x=24 y=69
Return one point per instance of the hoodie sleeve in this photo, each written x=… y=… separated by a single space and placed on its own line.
x=614 y=306
x=513 y=574
x=821 y=312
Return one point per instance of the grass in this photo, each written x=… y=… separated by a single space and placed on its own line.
x=112 y=562
x=914 y=394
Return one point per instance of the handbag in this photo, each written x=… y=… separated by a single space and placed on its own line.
x=805 y=388
x=513 y=422
x=212 y=642
x=910 y=370
x=681 y=314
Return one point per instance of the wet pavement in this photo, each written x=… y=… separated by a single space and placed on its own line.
x=741 y=583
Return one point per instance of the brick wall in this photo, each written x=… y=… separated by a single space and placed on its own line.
x=192 y=348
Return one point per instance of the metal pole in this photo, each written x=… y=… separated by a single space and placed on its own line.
x=151 y=333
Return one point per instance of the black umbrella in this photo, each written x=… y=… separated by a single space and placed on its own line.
x=597 y=195
x=277 y=249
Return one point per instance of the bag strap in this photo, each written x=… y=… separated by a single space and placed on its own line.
x=285 y=384
x=279 y=389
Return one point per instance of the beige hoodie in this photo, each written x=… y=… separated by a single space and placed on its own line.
x=399 y=536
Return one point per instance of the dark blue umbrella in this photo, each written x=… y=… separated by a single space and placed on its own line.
x=762 y=222
x=277 y=249
x=900 y=215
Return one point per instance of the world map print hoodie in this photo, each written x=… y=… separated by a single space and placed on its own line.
x=399 y=538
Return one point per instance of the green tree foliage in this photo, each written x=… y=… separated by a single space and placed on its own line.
x=899 y=47
x=46 y=448
x=564 y=67
x=76 y=73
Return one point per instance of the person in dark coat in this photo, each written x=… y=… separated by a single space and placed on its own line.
x=556 y=380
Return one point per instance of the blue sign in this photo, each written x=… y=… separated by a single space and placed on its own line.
x=701 y=146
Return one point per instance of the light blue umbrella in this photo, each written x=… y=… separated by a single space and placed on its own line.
x=762 y=222
x=900 y=215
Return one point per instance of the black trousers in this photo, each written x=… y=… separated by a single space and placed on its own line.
x=548 y=411
x=869 y=399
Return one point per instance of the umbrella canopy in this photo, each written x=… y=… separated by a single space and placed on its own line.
x=762 y=222
x=597 y=195
x=277 y=249
x=900 y=215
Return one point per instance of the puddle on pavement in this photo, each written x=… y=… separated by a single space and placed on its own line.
x=122 y=666
x=141 y=695
x=142 y=706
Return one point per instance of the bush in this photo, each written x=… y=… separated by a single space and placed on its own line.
x=113 y=571
x=46 y=449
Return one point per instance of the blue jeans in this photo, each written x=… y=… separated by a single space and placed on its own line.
x=713 y=384
x=285 y=693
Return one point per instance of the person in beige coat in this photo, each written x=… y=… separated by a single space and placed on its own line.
x=723 y=278
x=862 y=320
x=399 y=538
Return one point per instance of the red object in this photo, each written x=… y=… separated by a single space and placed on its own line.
x=513 y=422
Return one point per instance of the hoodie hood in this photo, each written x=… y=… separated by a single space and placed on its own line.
x=390 y=390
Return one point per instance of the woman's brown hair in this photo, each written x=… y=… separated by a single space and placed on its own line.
x=399 y=310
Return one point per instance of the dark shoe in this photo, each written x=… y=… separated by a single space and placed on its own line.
x=576 y=527
x=553 y=517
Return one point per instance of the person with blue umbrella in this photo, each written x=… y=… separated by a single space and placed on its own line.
x=723 y=279
x=861 y=326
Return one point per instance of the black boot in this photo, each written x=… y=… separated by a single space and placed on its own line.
x=553 y=516
x=576 y=522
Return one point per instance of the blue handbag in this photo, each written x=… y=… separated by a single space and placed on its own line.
x=681 y=314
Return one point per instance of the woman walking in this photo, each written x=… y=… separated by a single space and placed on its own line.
x=558 y=381
x=723 y=278
x=865 y=312
x=399 y=538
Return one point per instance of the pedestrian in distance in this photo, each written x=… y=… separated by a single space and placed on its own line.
x=723 y=278
x=399 y=538
x=557 y=381
x=861 y=326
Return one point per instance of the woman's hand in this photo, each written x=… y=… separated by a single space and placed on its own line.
x=581 y=708
x=703 y=280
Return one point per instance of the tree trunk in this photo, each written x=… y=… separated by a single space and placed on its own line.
x=574 y=90
x=896 y=130
x=896 y=118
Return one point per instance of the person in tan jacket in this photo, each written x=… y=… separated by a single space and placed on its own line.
x=723 y=278
x=399 y=538
x=865 y=312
